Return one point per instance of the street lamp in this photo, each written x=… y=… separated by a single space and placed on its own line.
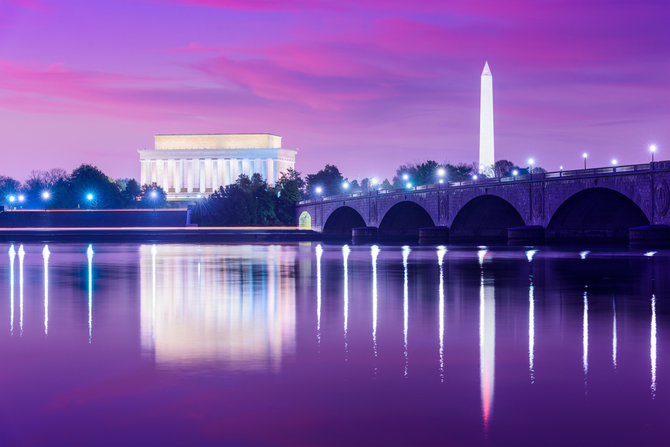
x=405 y=177
x=530 y=170
x=441 y=172
x=515 y=173
x=474 y=177
x=318 y=190
x=46 y=196
x=409 y=185
x=21 y=198
x=154 y=195
x=585 y=155
x=652 y=148
x=614 y=162
x=345 y=185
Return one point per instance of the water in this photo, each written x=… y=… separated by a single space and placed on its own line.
x=317 y=344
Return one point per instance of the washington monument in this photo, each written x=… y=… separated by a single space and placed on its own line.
x=486 y=157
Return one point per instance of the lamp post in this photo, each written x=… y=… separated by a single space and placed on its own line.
x=585 y=156
x=46 y=196
x=515 y=173
x=614 y=162
x=652 y=149
x=89 y=197
x=530 y=170
x=318 y=190
x=154 y=195
x=345 y=185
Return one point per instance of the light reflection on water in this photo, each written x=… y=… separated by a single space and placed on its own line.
x=225 y=311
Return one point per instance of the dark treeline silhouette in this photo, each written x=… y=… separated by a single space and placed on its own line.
x=86 y=187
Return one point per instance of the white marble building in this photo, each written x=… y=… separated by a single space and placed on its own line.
x=193 y=166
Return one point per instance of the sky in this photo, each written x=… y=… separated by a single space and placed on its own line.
x=366 y=85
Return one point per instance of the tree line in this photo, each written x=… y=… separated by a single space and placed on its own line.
x=86 y=187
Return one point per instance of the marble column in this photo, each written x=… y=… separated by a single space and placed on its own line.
x=209 y=184
x=154 y=173
x=202 y=176
x=181 y=176
x=270 y=169
x=143 y=172
x=196 y=175
x=166 y=175
x=215 y=175
x=191 y=175
x=159 y=172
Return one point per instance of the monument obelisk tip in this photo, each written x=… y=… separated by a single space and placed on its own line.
x=487 y=71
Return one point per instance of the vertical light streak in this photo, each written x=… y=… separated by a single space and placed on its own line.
x=585 y=339
x=531 y=331
x=487 y=342
x=374 y=251
x=653 y=346
x=22 y=254
x=441 y=251
x=614 y=340
x=12 y=255
x=154 y=252
x=45 y=255
x=405 y=255
x=89 y=256
x=345 y=255
x=319 y=252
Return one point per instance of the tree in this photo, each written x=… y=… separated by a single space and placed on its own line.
x=504 y=168
x=386 y=184
x=8 y=187
x=130 y=193
x=288 y=194
x=152 y=196
x=88 y=187
x=328 y=179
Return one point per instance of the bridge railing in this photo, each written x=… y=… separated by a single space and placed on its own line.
x=609 y=170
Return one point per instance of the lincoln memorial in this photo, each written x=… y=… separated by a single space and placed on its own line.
x=192 y=166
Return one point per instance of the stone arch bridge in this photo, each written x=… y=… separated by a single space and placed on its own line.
x=599 y=202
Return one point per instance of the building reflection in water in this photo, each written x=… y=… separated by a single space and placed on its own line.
x=405 y=304
x=487 y=338
x=12 y=255
x=441 y=251
x=45 y=255
x=89 y=256
x=228 y=307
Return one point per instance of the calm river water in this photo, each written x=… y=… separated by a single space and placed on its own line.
x=320 y=344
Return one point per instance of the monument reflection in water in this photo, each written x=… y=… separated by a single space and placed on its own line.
x=334 y=344
x=224 y=306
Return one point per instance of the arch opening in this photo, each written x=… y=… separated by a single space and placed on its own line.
x=485 y=217
x=595 y=213
x=404 y=220
x=305 y=220
x=341 y=222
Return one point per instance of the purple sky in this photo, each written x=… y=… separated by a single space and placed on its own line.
x=366 y=85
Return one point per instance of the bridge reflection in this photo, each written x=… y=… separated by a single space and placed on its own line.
x=229 y=306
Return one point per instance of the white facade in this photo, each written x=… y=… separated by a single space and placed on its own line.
x=486 y=154
x=193 y=166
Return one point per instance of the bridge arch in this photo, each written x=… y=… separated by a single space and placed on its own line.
x=595 y=212
x=341 y=221
x=404 y=219
x=486 y=216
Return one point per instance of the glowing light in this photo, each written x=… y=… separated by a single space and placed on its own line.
x=405 y=255
x=474 y=177
x=584 y=254
x=614 y=340
x=441 y=172
x=199 y=196
x=22 y=254
x=487 y=346
x=345 y=255
x=374 y=251
x=652 y=148
x=441 y=181
x=515 y=173
x=405 y=177
x=531 y=331
x=481 y=254
x=46 y=195
x=154 y=252
x=650 y=253
x=561 y=168
x=531 y=161
x=374 y=181
x=153 y=194
x=614 y=162
x=585 y=337
x=12 y=198
x=12 y=255
x=319 y=252
x=89 y=196
x=441 y=251
x=409 y=185
x=585 y=155
x=21 y=198
x=530 y=254
x=45 y=255
x=89 y=256
x=345 y=185
x=318 y=190
x=653 y=346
